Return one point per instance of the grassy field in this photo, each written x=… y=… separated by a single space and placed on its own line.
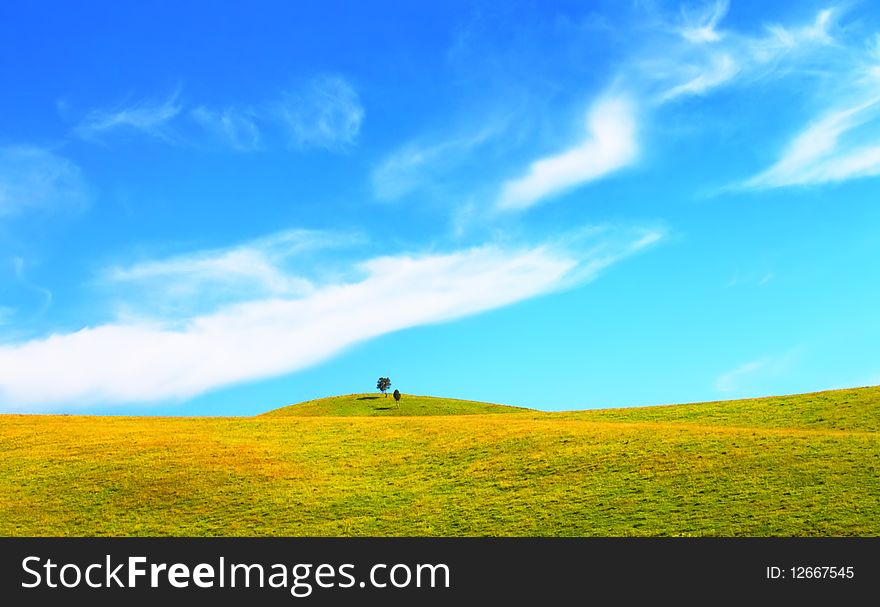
x=805 y=465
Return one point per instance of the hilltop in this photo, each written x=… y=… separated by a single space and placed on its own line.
x=369 y=405
x=844 y=409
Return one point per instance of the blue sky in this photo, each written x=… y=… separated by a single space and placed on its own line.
x=221 y=208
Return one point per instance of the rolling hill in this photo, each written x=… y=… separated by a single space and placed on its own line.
x=376 y=405
x=803 y=465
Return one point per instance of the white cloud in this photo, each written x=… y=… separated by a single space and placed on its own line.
x=415 y=166
x=150 y=359
x=818 y=31
x=326 y=113
x=720 y=69
x=705 y=58
x=700 y=27
x=730 y=380
x=235 y=128
x=149 y=117
x=255 y=269
x=781 y=40
x=820 y=155
x=33 y=178
x=761 y=374
x=840 y=144
x=404 y=171
x=609 y=146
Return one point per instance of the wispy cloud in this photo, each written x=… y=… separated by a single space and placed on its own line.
x=231 y=127
x=37 y=179
x=758 y=279
x=325 y=113
x=836 y=70
x=758 y=374
x=610 y=145
x=147 y=116
x=700 y=25
x=729 y=381
x=416 y=166
x=156 y=358
x=260 y=268
x=720 y=69
x=820 y=153
x=706 y=57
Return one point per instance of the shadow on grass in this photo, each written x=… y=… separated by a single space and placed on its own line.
x=367 y=397
x=381 y=408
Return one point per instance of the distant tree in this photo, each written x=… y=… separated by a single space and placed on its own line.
x=397 y=398
x=382 y=385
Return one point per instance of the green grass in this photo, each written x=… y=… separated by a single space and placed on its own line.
x=850 y=409
x=792 y=466
x=377 y=405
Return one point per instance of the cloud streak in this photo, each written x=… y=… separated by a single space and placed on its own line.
x=231 y=127
x=701 y=27
x=703 y=57
x=37 y=179
x=756 y=374
x=201 y=280
x=141 y=360
x=821 y=154
x=325 y=112
x=729 y=381
x=610 y=145
x=698 y=56
x=721 y=69
x=415 y=166
x=152 y=118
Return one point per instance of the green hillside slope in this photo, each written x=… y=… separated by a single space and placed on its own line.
x=378 y=405
x=849 y=409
